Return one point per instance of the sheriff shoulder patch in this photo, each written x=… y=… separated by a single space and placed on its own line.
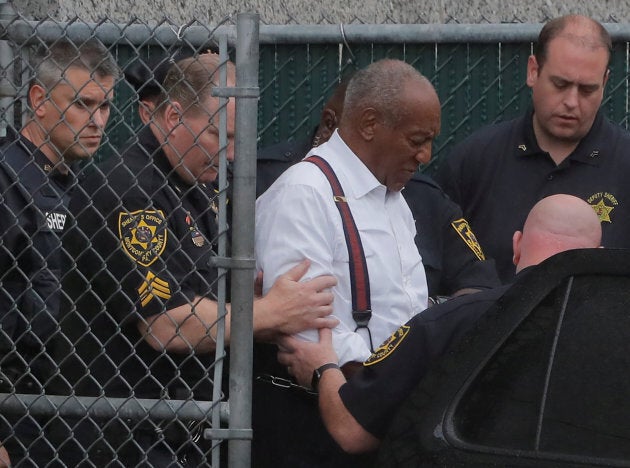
x=388 y=346
x=462 y=228
x=143 y=235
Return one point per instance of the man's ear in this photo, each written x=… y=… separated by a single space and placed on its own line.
x=172 y=116
x=532 y=70
x=368 y=123
x=606 y=76
x=328 y=124
x=146 y=109
x=516 y=247
x=37 y=96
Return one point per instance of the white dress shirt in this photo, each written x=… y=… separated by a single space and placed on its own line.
x=296 y=218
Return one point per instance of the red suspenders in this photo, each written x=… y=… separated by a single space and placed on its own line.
x=359 y=278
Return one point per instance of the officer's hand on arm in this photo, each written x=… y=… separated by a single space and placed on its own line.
x=302 y=358
x=291 y=306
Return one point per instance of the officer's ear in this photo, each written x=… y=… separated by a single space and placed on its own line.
x=172 y=116
x=146 y=109
x=516 y=247
x=37 y=96
x=328 y=124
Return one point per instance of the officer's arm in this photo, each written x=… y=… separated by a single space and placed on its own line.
x=341 y=425
x=302 y=358
x=289 y=307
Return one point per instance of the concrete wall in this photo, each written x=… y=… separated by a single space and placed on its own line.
x=338 y=11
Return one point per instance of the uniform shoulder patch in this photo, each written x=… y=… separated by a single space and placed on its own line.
x=143 y=235
x=388 y=346
x=462 y=228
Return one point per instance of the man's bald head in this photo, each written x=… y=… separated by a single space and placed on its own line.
x=555 y=224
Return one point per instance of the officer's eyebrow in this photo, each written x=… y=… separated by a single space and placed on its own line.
x=90 y=102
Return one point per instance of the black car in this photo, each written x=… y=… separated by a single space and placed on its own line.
x=542 y=380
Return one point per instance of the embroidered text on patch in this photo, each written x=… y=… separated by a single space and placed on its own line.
x=143 y=235
x=151 y=287
x=465 y=232
x=388 y=347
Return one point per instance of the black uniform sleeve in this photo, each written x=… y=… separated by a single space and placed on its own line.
x=374 y=394
x=18 y=263
x=125 y=249
x=452 y=256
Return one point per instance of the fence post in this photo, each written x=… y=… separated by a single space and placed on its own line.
x=7 y=86
x=241 y=349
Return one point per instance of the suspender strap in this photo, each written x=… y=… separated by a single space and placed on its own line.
x=359 y=278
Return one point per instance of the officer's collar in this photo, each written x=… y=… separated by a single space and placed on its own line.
x=587 y=151
x=527 y=144
x=40 y=158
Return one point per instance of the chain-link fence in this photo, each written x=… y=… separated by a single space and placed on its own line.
x=107 y=377
x=115 y=276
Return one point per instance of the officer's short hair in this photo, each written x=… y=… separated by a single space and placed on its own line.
x=190 y=81
x=147 y=76
x=557 y=26
x=51 y=61
x=380 y=85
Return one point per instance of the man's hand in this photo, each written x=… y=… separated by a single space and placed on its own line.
x=291 y=306
x=302 y=357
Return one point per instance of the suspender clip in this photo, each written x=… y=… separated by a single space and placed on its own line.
x=362 y=317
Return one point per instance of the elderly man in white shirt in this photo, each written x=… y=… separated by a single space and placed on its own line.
x=391 y=116
x=297 y=218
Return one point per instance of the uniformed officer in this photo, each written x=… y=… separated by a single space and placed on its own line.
x=358 y=412
x=562 y=144
x=69 y=98
x=143 y=231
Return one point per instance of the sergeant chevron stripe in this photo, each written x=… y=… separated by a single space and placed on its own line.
x=151 y=287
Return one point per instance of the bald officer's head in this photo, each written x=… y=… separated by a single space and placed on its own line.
x=555 y=224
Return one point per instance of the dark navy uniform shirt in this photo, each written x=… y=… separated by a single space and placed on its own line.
x=452 y=257
x=141 y=239
x=499 y=173
x=37 y=196
x=274 y=160
x=374 y=394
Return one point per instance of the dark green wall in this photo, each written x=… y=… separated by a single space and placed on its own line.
x=477 y=84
